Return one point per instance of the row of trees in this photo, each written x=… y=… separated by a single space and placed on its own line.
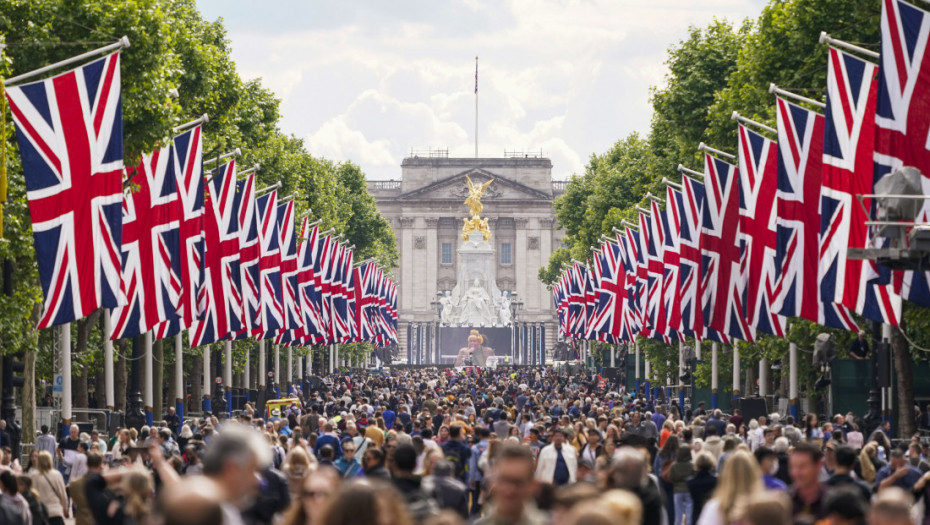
x=718 y=69
x=172 y=47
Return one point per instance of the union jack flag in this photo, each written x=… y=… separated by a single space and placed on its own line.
x=902 y=127
x=758 y=181
x=364 y=299
x=70 y=134
x=848 y=150
x=220 y=298
x=608 y=314
x=289 y=280
x=560 y=298
x=630 y=252
x=577 y=303
x=800 y=166
x=186 y=166
x=671 y=291
x=310 y=307
x=269 y=265
x=150 y=241
x=721 y=251
x=249 y=254
x=689 y=278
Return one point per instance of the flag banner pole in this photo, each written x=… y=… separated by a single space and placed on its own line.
x=673 y=184
x=234 y=153
x=120 y=44
x=203 y=119
x=825 y=38
x=689 y=171
x=274 y=186
x=715 y=151
x=743 y=120
x=654 y=198
x=775 y=90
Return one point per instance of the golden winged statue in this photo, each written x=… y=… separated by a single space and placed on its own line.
x=475 y=192
x=476 y=223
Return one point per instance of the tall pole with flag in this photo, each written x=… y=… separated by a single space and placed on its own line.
x=476 y=107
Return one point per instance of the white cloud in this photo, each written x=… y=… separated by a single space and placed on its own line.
x=569 y=77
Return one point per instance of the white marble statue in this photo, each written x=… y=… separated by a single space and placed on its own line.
x=476 y=304
x=446 y=308
x=506 y=315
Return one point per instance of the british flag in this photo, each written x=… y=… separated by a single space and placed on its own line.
x=758 y=181
x=848 y=150
x=150 y=241
x=608 y=315
x=689 y=278
x=269 y=265
x=249 y=255
x=310 y=307
x=289 y=280
x=560 y=298
x=721 y=251
x=902 y=127
x=577 y=324
x=364 y=276
x=652 y=265
x=186 y=167
x=800 y=166
x=70 y=134
x=671 y=261
x=220 y=298
x=628 y=240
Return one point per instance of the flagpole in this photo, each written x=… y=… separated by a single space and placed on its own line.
x=206 y=379
x=147 y=392
x=202 y=119
x=476 y=107
x=228 y=379
x=179 y=375
x=108 y=361
x=120 y=44
x=65 y=373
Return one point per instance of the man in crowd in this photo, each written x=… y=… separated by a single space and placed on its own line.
x=512 y=489
x=557 y=462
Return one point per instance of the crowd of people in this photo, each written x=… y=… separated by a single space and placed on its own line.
x=441 y=446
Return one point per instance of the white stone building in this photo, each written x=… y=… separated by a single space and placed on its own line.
x=426 y=210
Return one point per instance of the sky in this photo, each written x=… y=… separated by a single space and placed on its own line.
x=372 y=80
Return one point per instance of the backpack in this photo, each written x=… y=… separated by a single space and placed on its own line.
x=454 y=451
x=422 y=503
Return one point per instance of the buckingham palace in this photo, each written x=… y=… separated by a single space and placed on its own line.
x=426 y=210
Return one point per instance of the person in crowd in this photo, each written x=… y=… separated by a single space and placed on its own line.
x=739 y=480
x=898 y=473
x=766 y=508
x=11 y=498
x=50 y=485
x=46 y=441
x=805 y=463
x=891 y=507
x=768 y=463
x=373 y=464
x=318 y=488
x=843 y=473
x=511 y=488
x=557 y=463
x=702 y=484
x=678 y=476
x=67 y=450
x=347 y=465
x=232 y=461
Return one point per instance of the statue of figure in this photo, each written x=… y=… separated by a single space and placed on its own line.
x=476 y=304
x=474 y=196
x=505 y=314
x=445 y=308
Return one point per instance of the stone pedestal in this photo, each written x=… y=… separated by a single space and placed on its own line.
x=476 y=300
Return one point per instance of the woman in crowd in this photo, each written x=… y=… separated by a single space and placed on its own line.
x=740 y=479
x=50 y=485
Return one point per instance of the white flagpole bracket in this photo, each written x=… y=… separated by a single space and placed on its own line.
x=120 y=44
x=234 y=153
x=775 y=90
x=743 y=120
x=689 y=171
x=825 y=38
x=630 y=225
x=203 y=119
x=654 y=198
x=671 y=183
x=715 y=151
x=266 y=189
x=643 y=210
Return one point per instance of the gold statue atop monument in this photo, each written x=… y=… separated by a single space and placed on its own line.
x=476 y=223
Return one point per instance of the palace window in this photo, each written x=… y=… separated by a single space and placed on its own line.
x=506 y=254
x=447 y=253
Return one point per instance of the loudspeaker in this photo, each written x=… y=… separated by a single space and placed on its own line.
x=883 y=363
x=753 y=408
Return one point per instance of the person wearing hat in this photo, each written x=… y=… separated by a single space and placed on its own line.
x=557 y=464
x=859 y=349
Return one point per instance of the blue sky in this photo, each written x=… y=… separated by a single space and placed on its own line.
x=368 y=80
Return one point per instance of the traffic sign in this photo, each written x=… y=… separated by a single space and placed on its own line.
x=59 y=380
x=271 y=373
x=218 y=380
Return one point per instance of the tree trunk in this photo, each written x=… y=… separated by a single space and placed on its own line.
x=79 y=386
x=170 y=382
x=119 y=377
x=904 y=372
x=196 y=383
x=158 y=379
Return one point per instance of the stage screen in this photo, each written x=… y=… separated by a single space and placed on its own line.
x=452 y=339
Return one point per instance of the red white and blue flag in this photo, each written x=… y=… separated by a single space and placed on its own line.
x=70 y=134
x=220 y=298
x=289 y=280
x=186 y=166
x=848 y=150
x=671 y=293
x=721 y=251
x=150 y=241
x=269 y=265
x=800 y=165
x=249 y=254
x=903 y=102
x=758 y=176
